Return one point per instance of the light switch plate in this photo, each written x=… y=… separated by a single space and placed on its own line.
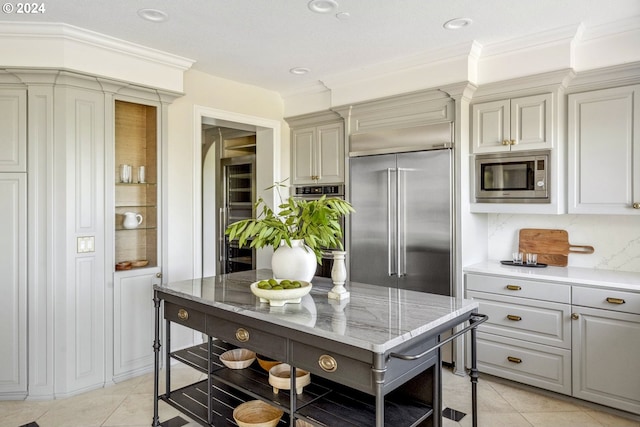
x=86 y=244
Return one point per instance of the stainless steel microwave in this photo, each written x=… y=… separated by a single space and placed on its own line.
x=520 y=177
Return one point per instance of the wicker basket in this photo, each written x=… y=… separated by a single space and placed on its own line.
x=256 y=413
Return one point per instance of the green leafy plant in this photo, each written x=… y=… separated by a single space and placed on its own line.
x=317 y=222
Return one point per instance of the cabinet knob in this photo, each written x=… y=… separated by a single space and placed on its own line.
x=575 y=316
x=513 y=142
x=183 y=314
x=242 y=335
x=328 y=363
x=514 y=359
x=636 y=205
x=505 y=142
x=159 y=275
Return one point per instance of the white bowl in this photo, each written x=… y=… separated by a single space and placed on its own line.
x=280 y=297
x=238 y=358
x=280 y=378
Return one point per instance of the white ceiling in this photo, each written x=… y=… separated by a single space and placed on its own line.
x=258 y=41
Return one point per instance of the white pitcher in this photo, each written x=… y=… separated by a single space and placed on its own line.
x=131 y=220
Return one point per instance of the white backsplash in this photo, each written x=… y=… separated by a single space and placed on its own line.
x=616 y=238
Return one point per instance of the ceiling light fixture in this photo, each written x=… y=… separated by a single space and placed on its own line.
x=299 y=71
x=153 y=15
x=323 y=6
x=343 y=16
x=457 y=23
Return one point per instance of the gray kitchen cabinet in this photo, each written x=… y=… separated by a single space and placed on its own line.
x=13 y=304
x=528 y=335
x=13 y=130
x=606 y=344
x=516 y=124
x=317 y=149
x=604 y=151
x=133 y=321
x=571 y=339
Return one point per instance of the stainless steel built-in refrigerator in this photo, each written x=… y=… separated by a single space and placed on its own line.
x=401 y=231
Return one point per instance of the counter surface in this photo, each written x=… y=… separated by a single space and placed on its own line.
x=592 y=277
x=374 y=318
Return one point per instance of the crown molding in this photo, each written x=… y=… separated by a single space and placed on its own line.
x=60 y=31
x=617 y=75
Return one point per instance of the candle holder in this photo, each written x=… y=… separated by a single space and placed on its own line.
x=339 y=277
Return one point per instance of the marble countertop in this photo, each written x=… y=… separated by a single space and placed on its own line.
x=624 y=280
x=374 y=318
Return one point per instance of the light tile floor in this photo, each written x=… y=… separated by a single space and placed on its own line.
x=130 y=404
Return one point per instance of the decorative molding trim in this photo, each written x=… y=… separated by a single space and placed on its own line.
x=617 y=75
x=552 y=37
x=611 y=28
x=313 y=119
x=547 y=82
x=35 y=30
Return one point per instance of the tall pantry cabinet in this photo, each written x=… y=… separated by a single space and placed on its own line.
x=13 y=229
x=70 y=320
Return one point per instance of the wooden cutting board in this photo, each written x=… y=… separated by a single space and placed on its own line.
x=552 y=246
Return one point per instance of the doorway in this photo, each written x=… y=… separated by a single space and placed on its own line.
x=211 y=128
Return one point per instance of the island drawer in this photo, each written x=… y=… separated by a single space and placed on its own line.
x=244 y=336
x=335 y=367
x=529 y=363
x=526 y=319
x=546 y=291
x=185 y=316
x=608 y=299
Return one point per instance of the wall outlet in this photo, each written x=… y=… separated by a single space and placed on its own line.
x=86 y=244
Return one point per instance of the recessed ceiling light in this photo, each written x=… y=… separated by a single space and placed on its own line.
x=343 y=16
x=299 y=70
x=457 y=23
x=153 y=15
x=323 y=6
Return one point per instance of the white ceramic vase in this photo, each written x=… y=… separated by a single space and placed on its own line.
x=297 y=262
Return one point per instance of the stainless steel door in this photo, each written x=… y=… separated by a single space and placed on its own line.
x=424 y=218
x=401 y=231
x=373 y=226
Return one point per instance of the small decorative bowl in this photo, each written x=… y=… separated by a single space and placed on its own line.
x=238 y=358
x=124 y=265
x=280 y=378
x=266 y=363
x=280 y=297
x=256 y=413
x=140 y=263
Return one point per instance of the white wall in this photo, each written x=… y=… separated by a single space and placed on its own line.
x=616 y=238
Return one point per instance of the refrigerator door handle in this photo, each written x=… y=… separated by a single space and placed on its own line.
x=390 y=222
x=399 y=223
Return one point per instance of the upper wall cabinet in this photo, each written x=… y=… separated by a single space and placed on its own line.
x=523 y=123
x=13 y=130
x=604 y=151
x=317 y=149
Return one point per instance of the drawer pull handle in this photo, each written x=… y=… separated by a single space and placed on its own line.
x=183 y=314
x=514 y=287
x=328 y=363
x=514 y=359
x=615 y=300
x=513 y=317
x=242 y=335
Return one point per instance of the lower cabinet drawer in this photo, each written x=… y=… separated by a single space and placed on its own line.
x=338 y=368
x=251 y=338
x=626 y=302
x=529 y=363
x=541 y=322
x=185 y=316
